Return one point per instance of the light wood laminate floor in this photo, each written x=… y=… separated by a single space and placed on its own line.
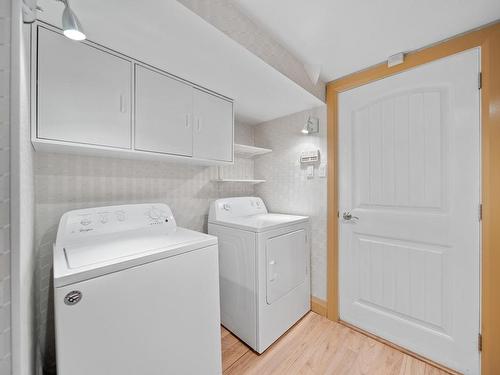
x=319 y=346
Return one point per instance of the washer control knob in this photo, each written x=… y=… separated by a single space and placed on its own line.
x=103 y=218
x=120 y=215
x=154 y=213
x=226 y=206
x=86 y=221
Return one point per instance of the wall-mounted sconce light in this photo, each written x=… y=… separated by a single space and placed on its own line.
x=311 y=125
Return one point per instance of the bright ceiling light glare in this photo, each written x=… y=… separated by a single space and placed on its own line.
x=72 y=28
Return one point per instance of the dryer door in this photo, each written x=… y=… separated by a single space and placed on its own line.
x=286 y=257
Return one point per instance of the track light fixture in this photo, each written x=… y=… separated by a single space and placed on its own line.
x=72 y=28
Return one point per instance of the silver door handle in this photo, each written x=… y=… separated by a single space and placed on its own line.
x=348 y=216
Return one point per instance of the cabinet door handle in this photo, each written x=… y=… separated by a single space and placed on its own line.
x=123 y=104
x=198 y=121
x=188 y=120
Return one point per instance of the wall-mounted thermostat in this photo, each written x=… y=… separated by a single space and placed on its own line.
x=309 y=157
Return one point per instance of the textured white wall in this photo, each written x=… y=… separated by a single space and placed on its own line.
x=66 y=182
x=5 y=304
x=227 y=16
x=287 y=189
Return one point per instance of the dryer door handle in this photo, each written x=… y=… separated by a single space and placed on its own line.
x=272 y=275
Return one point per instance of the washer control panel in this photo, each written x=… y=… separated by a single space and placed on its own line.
x=107 y=220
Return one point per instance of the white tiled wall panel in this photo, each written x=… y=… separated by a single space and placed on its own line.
x=5 y=347
x=287 y=188
x=67 y=182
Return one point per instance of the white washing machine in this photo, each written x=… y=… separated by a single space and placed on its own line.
x=264 y=269
x=135 y=294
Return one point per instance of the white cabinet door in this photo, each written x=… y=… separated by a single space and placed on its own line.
x=163 y=109
x=213 y=127
x=83 y=93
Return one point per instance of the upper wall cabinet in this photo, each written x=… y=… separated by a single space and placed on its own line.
x=95 y=101
x=166 y=110
x=213 y=131
x=163 y=108
x=84 y=94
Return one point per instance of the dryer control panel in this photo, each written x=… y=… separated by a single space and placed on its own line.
x=88 y=222
x=236 y=207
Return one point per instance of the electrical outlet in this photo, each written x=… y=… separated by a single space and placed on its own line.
x=310 y=171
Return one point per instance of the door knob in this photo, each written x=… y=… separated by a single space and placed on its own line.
x=347 y=216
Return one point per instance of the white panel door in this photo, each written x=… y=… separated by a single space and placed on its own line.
x=83 y=93
x=213 y=127
x=163 y=109
x=409 y=164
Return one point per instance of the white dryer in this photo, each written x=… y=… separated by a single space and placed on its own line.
x=264 y=267
x=135 y=294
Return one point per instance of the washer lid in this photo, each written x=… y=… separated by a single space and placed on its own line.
x=79 y=262
x=261 y=222
x=124 y=246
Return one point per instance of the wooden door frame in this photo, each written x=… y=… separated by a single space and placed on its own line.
x=488 y=39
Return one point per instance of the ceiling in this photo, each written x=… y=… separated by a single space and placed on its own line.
x=167 y=35
x=344 y=36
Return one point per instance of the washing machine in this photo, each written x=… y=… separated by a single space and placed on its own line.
x=135 y=294
x=264 y=267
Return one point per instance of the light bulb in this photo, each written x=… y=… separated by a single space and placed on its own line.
x=72 y=28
